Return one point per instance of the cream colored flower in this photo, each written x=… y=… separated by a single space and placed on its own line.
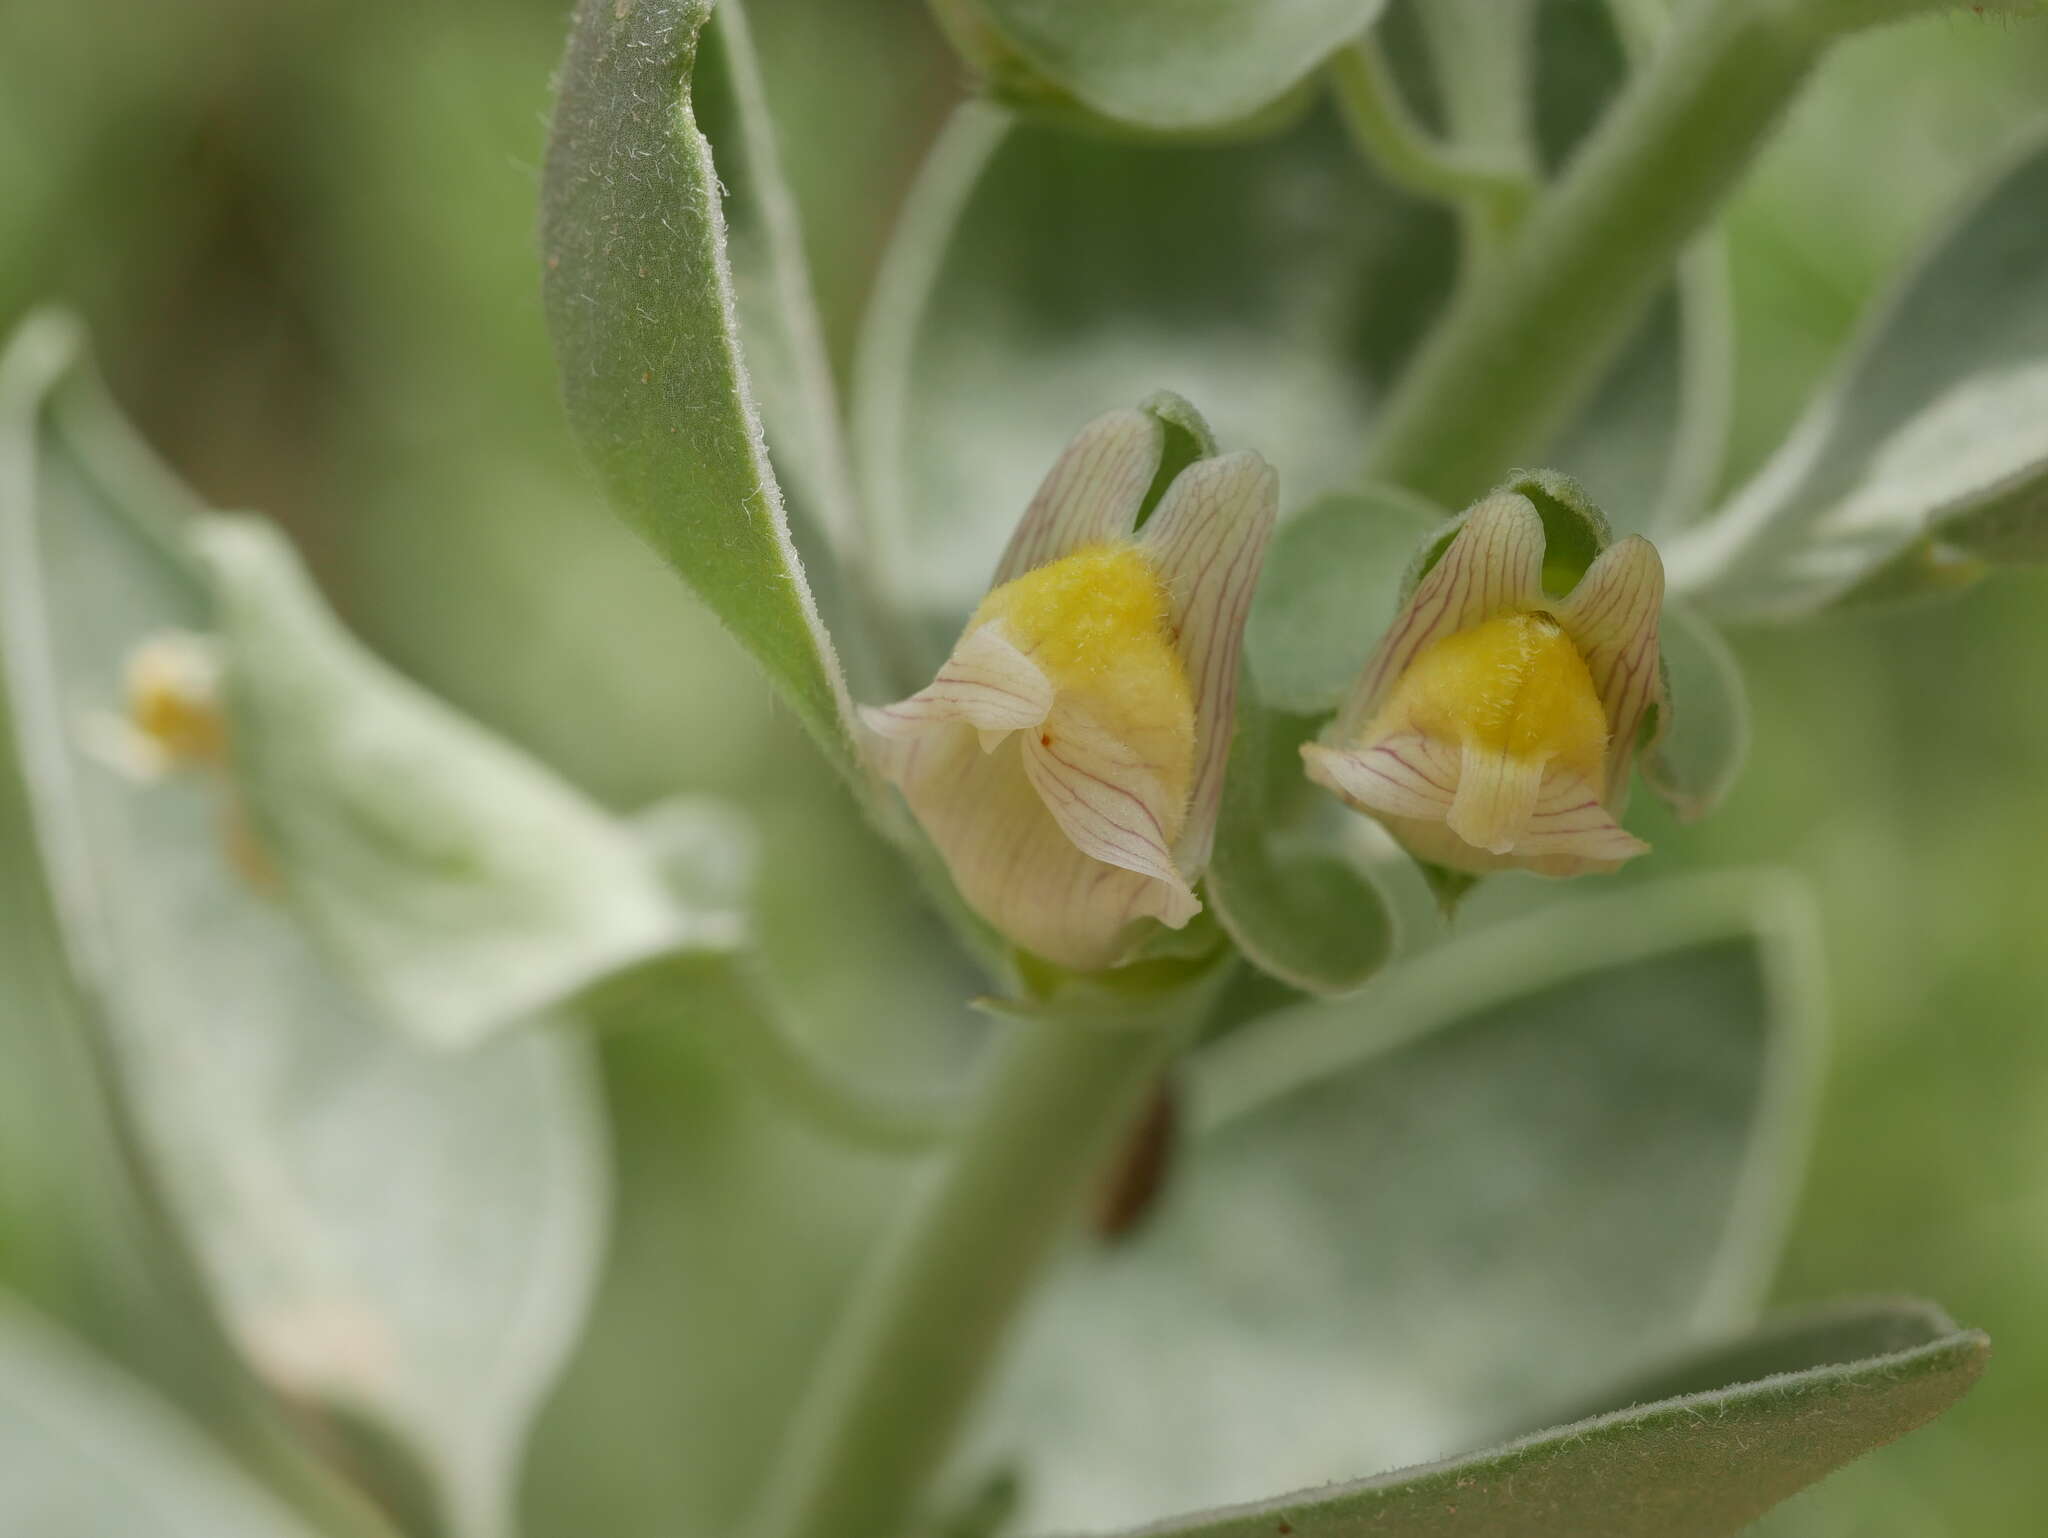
x=1068 y=758
x=1496 y=725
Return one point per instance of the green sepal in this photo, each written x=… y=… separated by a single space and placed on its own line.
x=1187 y=438
x=1296 y=906
x=1449 y=887
x=1143 y=995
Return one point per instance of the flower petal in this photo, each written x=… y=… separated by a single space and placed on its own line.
x=1406 y=775
x=1015 y=864
x=1092 y=494
x=1494 y=563
x=1414 y=785
x=1569 y=820
x=1109 y=802
x=1611 y=616
x=1208 y=539
x=987 y=683
x=1496 y=800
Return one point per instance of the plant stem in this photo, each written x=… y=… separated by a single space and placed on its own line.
x=1406 y=153
x=1520 y=348
x=1706 y=323
x=1482 y=55
x=925 y=1325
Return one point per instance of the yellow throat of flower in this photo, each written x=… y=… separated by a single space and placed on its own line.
x=173 y=700
x=1514 y=695
x=1098 y=623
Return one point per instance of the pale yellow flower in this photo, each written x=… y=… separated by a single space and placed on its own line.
x=1068 y=759
x=1495 y=726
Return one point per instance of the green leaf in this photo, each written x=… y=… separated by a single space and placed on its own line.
x=1792 y=1341
x=1298 y=909
x=462 y=884
x=1705 y=735
x=1937 y=428
x=1039 y=278
x=729 y=1001
x=1162 y=65
x=788 y=368
x=1409 y=1222
x=401 y=1233
x=2005 y=522
x=642 y=305
x=88 y=1453
x=1328 y=593
x=1704 y=1465
x=741 y=1233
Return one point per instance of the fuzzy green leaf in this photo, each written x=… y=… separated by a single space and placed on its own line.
x=87 y=1453
x=463 y=885
x=404 y=1233
x=1162 y=65
x=1040 y=278
x=1328 y=593
x=1703 y=1464
x=1700 y=751
x=1416 y=1220
x=642 y=304
x=1298 y=909
x=1935 y=433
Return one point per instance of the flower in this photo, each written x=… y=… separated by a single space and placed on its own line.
x=1495 y=725
x=174 y=719
x=1067 y=761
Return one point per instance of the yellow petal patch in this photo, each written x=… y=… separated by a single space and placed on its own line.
x=1513 y=687
x=1099 y=624
x=173 y=688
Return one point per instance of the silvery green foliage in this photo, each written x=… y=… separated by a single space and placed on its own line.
x=1149 y=66
x=1418 y=1203
x=385 y=1228
x=1926 y=460
x=88 y=1453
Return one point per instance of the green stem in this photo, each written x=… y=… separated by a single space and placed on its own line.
x=925 y=1326
x=1482 y=55
x=1706 y=384
x=1520 y=349
x=1706 y=323
x=1406 y=153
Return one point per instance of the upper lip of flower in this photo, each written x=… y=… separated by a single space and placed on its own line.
x=1560 y=814
x=1113 y=792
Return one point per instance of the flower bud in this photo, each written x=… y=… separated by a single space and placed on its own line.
x=1495 y=726
x=1067 y=761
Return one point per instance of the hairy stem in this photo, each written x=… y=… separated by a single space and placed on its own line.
x=925 y=1325
x=1706 y=322
x=1405 y=152
x=1482 y=55
x=1519 y=349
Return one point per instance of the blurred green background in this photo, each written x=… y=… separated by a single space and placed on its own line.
x=301 y=232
